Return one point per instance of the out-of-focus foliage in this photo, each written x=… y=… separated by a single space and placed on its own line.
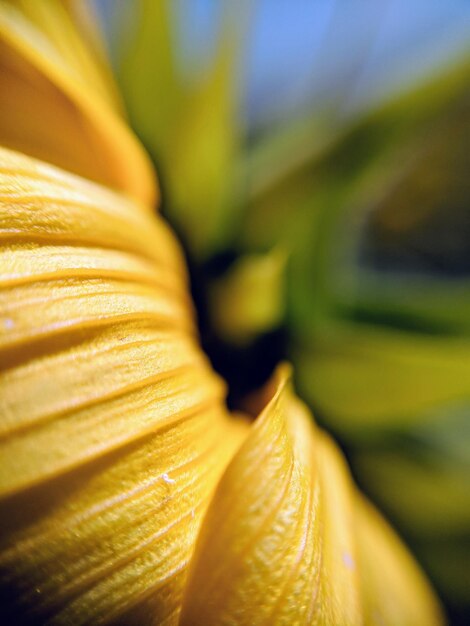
x=250 y=298
x=190 y=129
x=372 y=214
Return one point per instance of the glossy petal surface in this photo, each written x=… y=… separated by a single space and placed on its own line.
x=58 y=107
x=286 y=539
x=113 y=429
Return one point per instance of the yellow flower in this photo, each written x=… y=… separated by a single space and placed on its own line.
x=128 y=494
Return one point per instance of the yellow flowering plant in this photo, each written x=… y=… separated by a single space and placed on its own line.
x=128 y=492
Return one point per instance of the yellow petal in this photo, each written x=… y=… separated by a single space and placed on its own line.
x=71 y=27
x=393 y=587
x=56 y=106
x=285 y=538
x=113 y=431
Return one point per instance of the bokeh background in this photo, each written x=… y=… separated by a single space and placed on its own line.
x=314 y=159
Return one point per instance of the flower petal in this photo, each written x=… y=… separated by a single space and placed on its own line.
x=72 y=28
x=285 y=538
x=113 y=431
x=393 y=587
x=59 y=109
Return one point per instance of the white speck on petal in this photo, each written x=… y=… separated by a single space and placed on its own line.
x=167 y=479
x=8 y=323
x=348 y=560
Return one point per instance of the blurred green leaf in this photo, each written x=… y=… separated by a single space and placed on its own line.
x=249 y=299
x=411 y=262
x=191 y=127
x=361 y=377
x=446 y=559
x=420 y=478
x=351 y=142
x=345 y=169
x=414 y=303
x=429 y=496
x=201 y=159
x=148 y=73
